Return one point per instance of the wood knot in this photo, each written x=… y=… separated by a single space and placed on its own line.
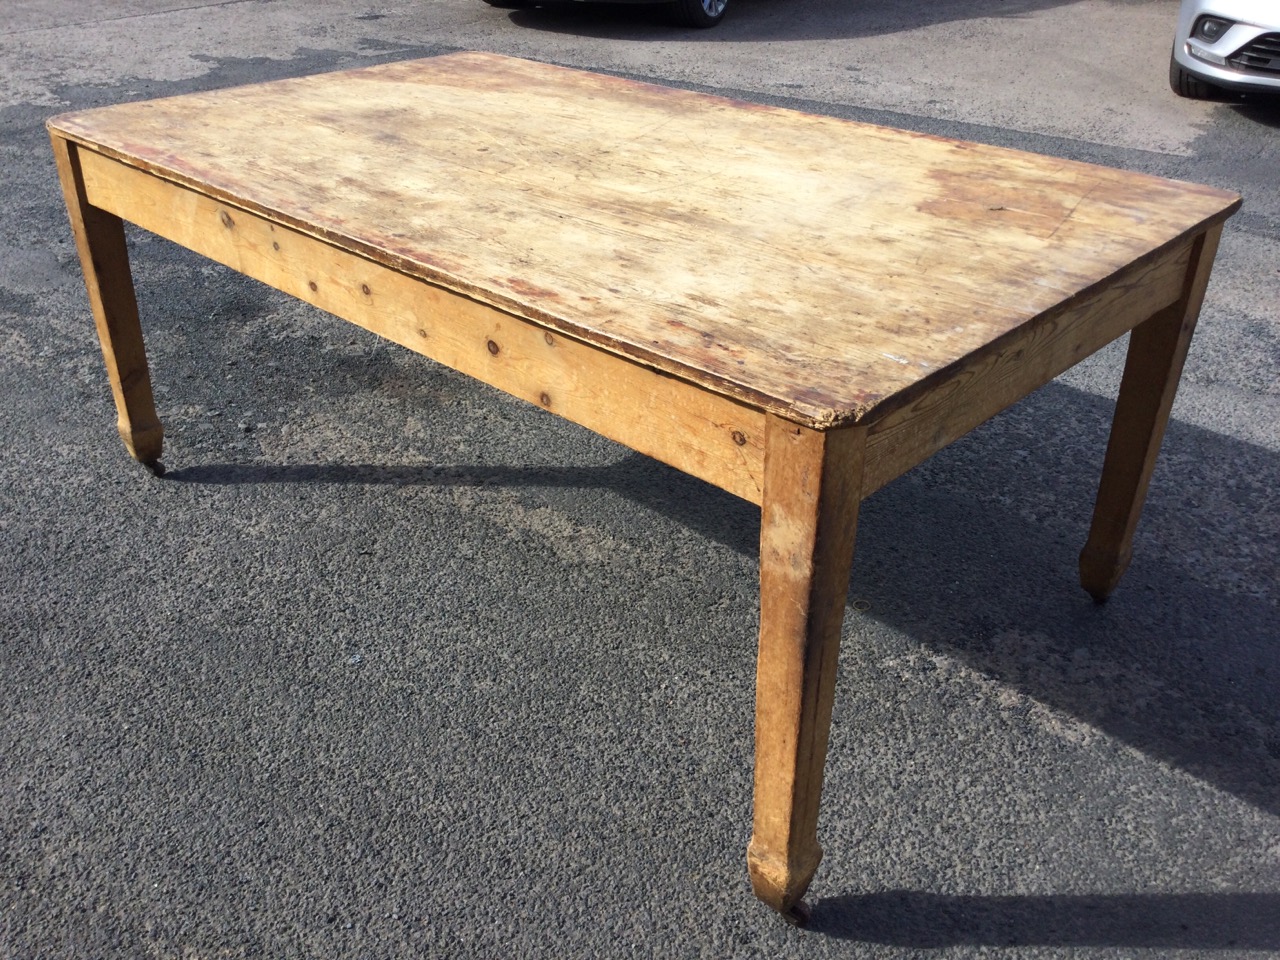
x=226 y=219
x=545 y=399
x=739 y=438
x=493 y=347
x=551 y=341
x=364 y=288
x=312 y=285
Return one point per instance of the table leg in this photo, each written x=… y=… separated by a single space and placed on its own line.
x=105 y=261
x=809 y=518
x=1157 y=350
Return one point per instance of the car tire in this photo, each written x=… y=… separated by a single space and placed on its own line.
x=699 y=13
x=1186 y=84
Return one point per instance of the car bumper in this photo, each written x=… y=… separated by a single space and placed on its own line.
x=1244 y=58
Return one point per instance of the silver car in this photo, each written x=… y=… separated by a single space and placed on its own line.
x=1226 y=45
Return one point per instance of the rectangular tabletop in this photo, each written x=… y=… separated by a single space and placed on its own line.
x=818 y=269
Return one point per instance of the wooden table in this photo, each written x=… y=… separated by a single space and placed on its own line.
x=794 y=308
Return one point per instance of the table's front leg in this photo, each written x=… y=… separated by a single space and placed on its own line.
x=1157 y=351
x=809 y=518
x=105 y=260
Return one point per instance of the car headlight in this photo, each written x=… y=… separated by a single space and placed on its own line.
x=1211 y=29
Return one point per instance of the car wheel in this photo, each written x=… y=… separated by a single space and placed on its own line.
x=700 y=13
x=1186 y=84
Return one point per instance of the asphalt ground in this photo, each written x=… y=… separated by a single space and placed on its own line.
x=391 y=665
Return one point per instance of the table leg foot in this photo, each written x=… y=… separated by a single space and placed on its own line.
x=1101 y=570
x=781 y=884
x=799 y=915
x=144 y=445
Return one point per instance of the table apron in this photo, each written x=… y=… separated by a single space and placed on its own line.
x=707 y=435
x=982 y=385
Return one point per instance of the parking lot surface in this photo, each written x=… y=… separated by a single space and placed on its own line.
x=391 y=665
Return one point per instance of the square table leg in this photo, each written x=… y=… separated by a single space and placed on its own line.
x=809 y=518
x=1157 y=351
x=105 y=260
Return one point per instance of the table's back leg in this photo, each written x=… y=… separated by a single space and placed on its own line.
x=105 y=260
x=809 y=518
x=1157 y=351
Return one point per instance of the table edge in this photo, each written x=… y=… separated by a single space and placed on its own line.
x=814 y=416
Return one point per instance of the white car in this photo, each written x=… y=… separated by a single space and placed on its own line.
x=1226 y=45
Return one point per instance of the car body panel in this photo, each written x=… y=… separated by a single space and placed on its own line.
x=1250 y=19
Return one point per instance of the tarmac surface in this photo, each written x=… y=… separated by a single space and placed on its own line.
x=391 y=665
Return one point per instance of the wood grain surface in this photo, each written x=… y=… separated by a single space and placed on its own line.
x=822 y=270
x=704 y=434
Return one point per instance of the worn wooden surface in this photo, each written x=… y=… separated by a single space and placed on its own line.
x=979 y=387
x=1157 y=351
x=104 y=259
x=707 y=435
x=822 y=270
x=813 y=485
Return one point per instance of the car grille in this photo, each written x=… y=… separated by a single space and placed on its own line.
x=1260 y=56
